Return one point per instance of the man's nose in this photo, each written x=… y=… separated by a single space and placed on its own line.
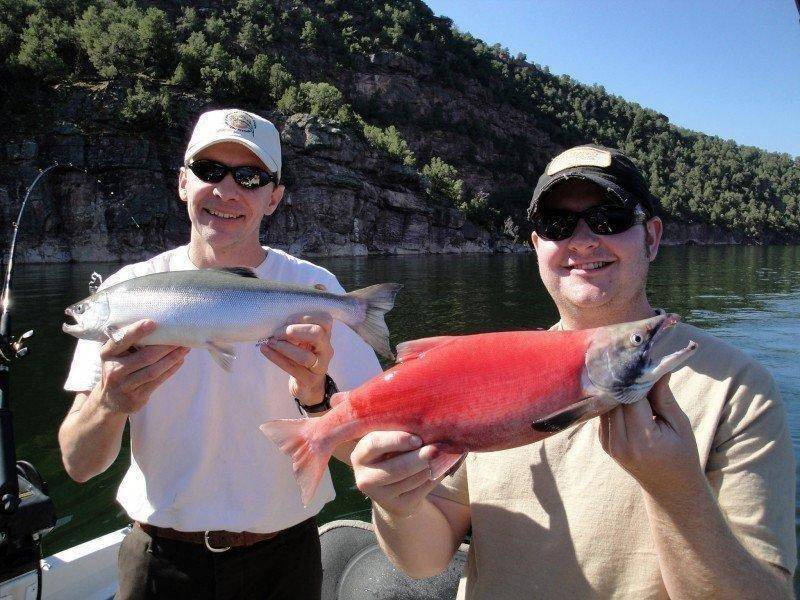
x=583 y=237
x=226 y=189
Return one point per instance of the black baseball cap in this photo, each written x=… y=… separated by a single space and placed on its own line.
x=607 y=167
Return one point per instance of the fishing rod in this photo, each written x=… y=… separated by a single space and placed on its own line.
x=26 y=511
x=9 y=488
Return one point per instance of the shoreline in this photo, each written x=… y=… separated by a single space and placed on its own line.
x=92 y=254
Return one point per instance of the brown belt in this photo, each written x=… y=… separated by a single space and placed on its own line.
x=218 y=541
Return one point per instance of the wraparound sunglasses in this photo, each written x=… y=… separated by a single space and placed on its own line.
x=249 y=178
x=604 y=219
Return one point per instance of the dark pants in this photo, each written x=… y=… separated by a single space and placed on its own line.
x=285 y=567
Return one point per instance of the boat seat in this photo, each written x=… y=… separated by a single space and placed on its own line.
x=355 y=568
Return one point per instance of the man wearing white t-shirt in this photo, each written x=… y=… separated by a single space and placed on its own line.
x=216 y=511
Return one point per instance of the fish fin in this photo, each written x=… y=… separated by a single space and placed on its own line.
x=293 y=437
x=379 y=300
x=446 y=464
x=411 y=349
x=240 y=271
x=223 y=355
x=113 y=332
x=562 y=419
x=632 y=395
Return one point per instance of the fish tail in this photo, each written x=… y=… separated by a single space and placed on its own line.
x=379 y=300
x=294 y=437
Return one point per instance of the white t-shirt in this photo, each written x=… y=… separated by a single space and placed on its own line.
x=198 y=459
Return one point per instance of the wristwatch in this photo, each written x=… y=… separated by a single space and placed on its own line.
x=330 y=390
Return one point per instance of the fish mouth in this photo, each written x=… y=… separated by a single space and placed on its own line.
x=71 y=324
x=669 y=321
x=670 y=362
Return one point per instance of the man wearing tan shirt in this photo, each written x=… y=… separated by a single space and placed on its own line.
x=690 y=494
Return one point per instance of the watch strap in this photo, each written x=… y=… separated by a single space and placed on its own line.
x=330 y=390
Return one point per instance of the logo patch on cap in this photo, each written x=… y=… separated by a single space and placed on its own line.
x=240 y=121
x=582 y=156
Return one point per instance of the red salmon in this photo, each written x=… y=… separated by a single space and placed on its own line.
x=485 y=392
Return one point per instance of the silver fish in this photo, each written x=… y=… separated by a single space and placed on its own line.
x=215 y=308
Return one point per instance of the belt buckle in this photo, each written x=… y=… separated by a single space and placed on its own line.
x=210 y=547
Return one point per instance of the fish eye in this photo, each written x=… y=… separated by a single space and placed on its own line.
x=636 y=339
x=79 y=309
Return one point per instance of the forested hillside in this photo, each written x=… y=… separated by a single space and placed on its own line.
x=471 y=124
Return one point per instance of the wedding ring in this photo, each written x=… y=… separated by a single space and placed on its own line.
x=316 y=362
x=430 y=473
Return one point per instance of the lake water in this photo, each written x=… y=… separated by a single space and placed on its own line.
x=747 y=296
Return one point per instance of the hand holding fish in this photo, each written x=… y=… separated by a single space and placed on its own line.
x=653 y=441
x=303 y=349
x=129 y=374
x=393 y=469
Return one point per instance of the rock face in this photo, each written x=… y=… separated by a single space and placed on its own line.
x=118 y=200
x=698 y=234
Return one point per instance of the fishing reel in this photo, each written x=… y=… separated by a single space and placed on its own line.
x=16 y=349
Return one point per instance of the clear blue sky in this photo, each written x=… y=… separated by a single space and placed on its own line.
x=729 y=68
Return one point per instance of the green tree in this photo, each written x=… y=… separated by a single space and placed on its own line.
x=191 y=57
x=322 y=98
x=478 y=210
x=443 y=185
x=279 y=80
x=145 y=107
x=390 y=141
x=110 y=37
x=43 y=44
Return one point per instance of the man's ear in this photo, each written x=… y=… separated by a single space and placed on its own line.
x=653 y=229
x=534 y=239
x=275 y=197
x=182 y=180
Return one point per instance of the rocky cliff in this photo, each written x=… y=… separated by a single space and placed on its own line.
x=119 y=202
x=115 y=199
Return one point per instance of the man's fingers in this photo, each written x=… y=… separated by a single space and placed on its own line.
x=311 y=333
x=152 y=385
x=143 y=358
x=617 y=435
x=603 y=431
x=288 y=366
x=300 y=356
x=401 y=466
x=409 y=484
x=130 y=336
x=420 y=492
x=666 y=407
x=375 y=445
x=154 y=370
x=638 y=419
x=324 y=320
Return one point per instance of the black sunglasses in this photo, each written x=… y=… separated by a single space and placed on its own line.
x=604 y=219
x=249 y=178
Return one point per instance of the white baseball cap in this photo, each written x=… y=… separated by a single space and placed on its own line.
x=233 y=125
